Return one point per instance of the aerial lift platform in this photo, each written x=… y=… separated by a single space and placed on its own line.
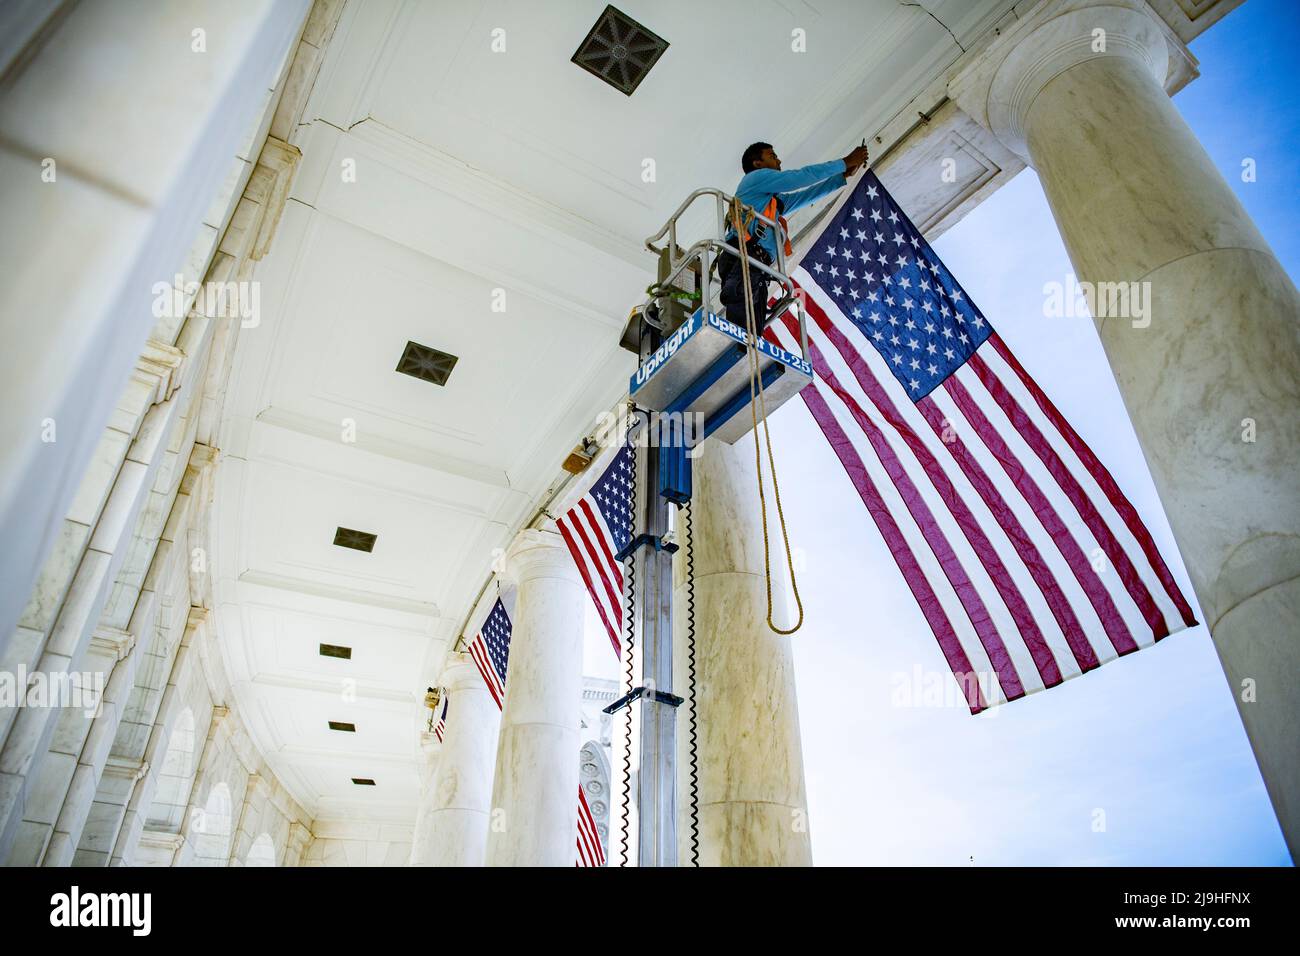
x=693 y=362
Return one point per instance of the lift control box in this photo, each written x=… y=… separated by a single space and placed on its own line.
x=703 y=369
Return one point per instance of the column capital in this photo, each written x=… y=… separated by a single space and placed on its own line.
x=539 y=554
x=999 y=87
x=459 y=673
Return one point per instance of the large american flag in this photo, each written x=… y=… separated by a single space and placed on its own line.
x=596 y=529
x=490 y=650
x=1027 y=560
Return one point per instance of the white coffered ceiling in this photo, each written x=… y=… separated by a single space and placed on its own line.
x=438 y=177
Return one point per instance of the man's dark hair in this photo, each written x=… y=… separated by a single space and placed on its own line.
x=752 y=155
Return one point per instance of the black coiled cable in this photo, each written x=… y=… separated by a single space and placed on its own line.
x=690 y=679
x=629 y=612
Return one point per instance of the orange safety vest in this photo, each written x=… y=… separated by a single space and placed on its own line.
x=771 y=211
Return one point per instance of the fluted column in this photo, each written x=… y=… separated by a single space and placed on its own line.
x=454 y=829
x=1211 y=373
x=752 y=803
x=535 y=790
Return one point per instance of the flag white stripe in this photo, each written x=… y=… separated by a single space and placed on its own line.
x=1057 y=566
x=1065 y=510
x=1113 y=519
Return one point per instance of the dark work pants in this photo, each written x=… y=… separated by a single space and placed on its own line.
x=733 y=287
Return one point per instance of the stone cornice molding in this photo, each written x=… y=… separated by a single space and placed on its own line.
x=112 y=640
x=998 y=90
x=197 y=618
x=281 y=161
x=164 y=839
x=160 y=368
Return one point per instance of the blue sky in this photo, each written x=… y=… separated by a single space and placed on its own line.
x=1150 y=744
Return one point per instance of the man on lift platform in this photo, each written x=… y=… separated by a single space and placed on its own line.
x=774 y=192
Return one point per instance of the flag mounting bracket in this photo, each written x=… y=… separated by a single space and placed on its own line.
x=658 y=542
x=637 y=693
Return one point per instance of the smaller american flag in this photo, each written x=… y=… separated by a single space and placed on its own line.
x=441 y=726
x=491 y=651
x=596 y=529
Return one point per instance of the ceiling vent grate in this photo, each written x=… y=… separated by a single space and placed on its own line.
x=343 y=725
x=427 y=364
x=619 y=50
x=356 y=540
x=363 y=781
x=336 y=650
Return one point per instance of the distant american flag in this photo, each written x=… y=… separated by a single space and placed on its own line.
x=1028 y=562
x=596 y=529
x=591 y=852
x=440 y=727
x=490 y=650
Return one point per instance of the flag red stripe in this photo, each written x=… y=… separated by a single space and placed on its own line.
x=1082 y=503
x=597 y=551
x=586 y=578
x=1104 y=479
x=1032 y=636
x=602 y=538
x=968 y=594
x=926 y=599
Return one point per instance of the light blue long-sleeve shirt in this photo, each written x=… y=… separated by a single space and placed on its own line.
x=796 y=187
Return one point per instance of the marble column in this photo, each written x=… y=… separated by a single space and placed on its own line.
x=430 y=751
x=126 y=204
x=752 y=803
x=454 y=828
x=155 y=751
x=1211 y=374
x=535 y=791
x=94 y=754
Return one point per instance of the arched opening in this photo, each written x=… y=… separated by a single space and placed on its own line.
x=175 y=777
x=210 y=828
x=262 y=852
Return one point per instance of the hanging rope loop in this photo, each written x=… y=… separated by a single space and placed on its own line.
x=756 y=404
